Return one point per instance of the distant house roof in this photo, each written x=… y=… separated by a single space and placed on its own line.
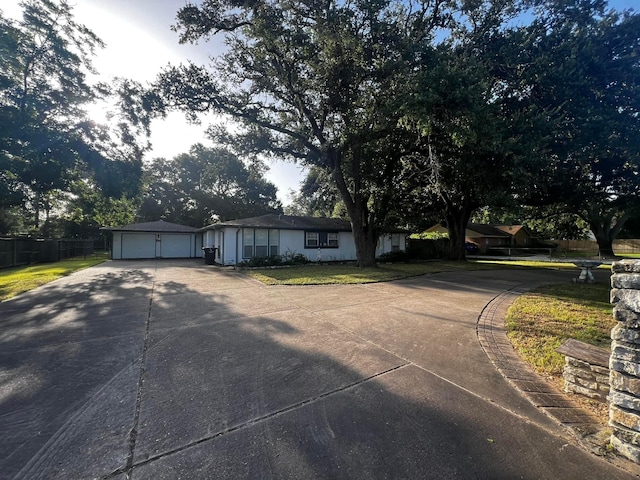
x=487 y=230
x=157 y=226
x=286 y=222
x=513 y=229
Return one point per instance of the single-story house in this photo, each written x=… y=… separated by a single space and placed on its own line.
x=493 y=236
x=155 y=240
x=318 y=239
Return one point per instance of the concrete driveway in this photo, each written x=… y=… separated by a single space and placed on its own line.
x=174 y=369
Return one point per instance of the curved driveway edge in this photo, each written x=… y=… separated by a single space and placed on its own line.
x=174 y=369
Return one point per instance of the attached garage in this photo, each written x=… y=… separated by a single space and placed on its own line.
x=155 y=240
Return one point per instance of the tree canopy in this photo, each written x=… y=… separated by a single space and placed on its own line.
x=469 y=126
x=206 y=185
x=585 y=65
x=408 y=109
x=48 y=144
x=319 y=83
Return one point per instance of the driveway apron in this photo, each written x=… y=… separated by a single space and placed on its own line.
x=175 y=369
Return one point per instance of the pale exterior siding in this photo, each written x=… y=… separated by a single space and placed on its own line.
x=390 y=242
x=292 y=242
x=346 y=250
x=229 y=241
x=315 y=238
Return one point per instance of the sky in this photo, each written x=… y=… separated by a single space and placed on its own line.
x=140 y=42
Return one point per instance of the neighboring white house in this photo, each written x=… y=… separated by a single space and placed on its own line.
x=318 y=239
x=155 y=240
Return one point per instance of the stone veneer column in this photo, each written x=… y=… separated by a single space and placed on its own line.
x=624 y=395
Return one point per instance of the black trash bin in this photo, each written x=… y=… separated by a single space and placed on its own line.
x=209 y=255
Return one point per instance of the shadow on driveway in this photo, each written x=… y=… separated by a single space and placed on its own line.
x=177 y=370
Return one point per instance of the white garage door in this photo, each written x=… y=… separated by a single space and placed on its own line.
x=175 y=245
x=138 y=245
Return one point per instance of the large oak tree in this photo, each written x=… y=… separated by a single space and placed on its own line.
x=316 y=82
x=475 y=138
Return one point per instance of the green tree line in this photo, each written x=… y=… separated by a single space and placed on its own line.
x=403 y=112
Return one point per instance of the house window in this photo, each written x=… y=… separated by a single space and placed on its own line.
x=247 y=242
x=321 y=240
x=261 y=243
x=274 y=242
x=311 y=239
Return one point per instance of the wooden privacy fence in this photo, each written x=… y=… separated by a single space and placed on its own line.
x=620 y=246
x=19 y=251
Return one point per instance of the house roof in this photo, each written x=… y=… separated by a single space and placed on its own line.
x=512 y=229
x=286 y=222
x=487 y=230
x=157 y=226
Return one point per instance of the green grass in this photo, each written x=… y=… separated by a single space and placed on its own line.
x=559 y=265
x=14 y=281
x=539 y=322
x=349 y=274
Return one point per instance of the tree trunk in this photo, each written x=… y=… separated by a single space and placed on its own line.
x=605 y=227
x=365 y=232
x=366 y=241
x=603 y=233
x=457 y=219
x=605 y=246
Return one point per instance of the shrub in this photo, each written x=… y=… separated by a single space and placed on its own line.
x=298 y=259
x=398 y=256
x=274 y=260
x=429 y=236
x=428 y=249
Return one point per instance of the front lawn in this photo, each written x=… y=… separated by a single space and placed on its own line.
x=313 y=274
x=540 y=321
x=14 y=281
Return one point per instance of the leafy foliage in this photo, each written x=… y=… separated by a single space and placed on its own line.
x=469 y=124
x=317 y=197
x=47 y=142
x=394 y=257
x=206 y=185
x=407 y=110
x=316 y=83
x=584 y=63
x=429 y=236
